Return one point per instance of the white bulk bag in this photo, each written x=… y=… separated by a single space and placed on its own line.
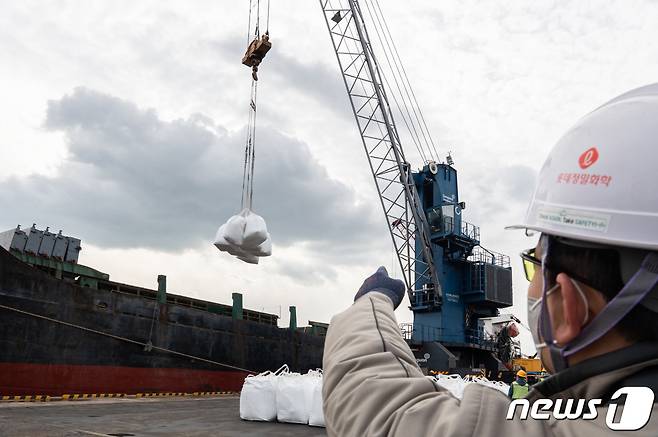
x=294 y=394
x=316 y=413
x=248 y=258
x=258 y=397
x=234 y=230
x=264 y=249
x=225 y=246
x=255 y=230
x=244 y=236
x=497 y=385
x=235 y=251
x=220 y=241
x=453 y=383
x=456 y=384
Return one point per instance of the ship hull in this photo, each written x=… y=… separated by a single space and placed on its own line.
x=21 y=379
x=59 y=338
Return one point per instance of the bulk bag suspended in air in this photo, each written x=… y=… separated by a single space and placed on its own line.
x=234 y=228
x=255 y=230
x=220 y=240
x=248 y=258
x=244 y=236
x=265 y=248
x=246 y=230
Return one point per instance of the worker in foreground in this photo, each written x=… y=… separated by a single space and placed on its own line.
x=592 y=305
x=519 y=387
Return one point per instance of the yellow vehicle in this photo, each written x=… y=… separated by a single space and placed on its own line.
x=527 y=364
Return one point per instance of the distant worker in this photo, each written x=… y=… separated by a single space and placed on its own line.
x=519 y=387
x=256 y=51
x=592 y=304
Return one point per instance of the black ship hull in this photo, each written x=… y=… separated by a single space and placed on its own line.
x=57 y=337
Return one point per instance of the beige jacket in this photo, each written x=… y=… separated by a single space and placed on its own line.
x=373 y=386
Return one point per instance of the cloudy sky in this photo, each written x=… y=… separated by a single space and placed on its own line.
x=124 y=121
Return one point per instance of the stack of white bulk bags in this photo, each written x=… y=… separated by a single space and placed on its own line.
x=283 y=396
x=244 y=236
x=498 y=385
x=455 y=384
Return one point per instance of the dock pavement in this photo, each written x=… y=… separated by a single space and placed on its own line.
x=125 y=417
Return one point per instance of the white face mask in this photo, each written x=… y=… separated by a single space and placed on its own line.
x=534 y=310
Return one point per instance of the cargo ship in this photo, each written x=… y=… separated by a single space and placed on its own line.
x=66 y=328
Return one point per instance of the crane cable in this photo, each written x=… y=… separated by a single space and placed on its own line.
x=382 y=27
x=357 y=48
x=249 y=24
x=353 y=40
x=406 y=77
x=250 y=142
x=267 y=22
x=250 y=151
x=390 y=63
x=415 y=137
x=257 y=19
x=396 y=67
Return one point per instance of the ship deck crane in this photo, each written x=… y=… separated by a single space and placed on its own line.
x=452 y=282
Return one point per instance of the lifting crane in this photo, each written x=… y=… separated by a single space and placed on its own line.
x=452 y=282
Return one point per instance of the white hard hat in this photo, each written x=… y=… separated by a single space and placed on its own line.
x=600 y=181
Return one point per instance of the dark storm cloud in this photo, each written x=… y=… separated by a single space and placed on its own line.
x=133 y=180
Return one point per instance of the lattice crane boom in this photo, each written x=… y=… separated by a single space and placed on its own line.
x=392 y=173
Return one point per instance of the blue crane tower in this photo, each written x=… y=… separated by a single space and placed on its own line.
x=452 y=282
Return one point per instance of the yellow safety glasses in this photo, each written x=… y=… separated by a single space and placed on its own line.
x=530 y=263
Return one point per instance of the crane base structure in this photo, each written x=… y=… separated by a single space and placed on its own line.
x=476 y=283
